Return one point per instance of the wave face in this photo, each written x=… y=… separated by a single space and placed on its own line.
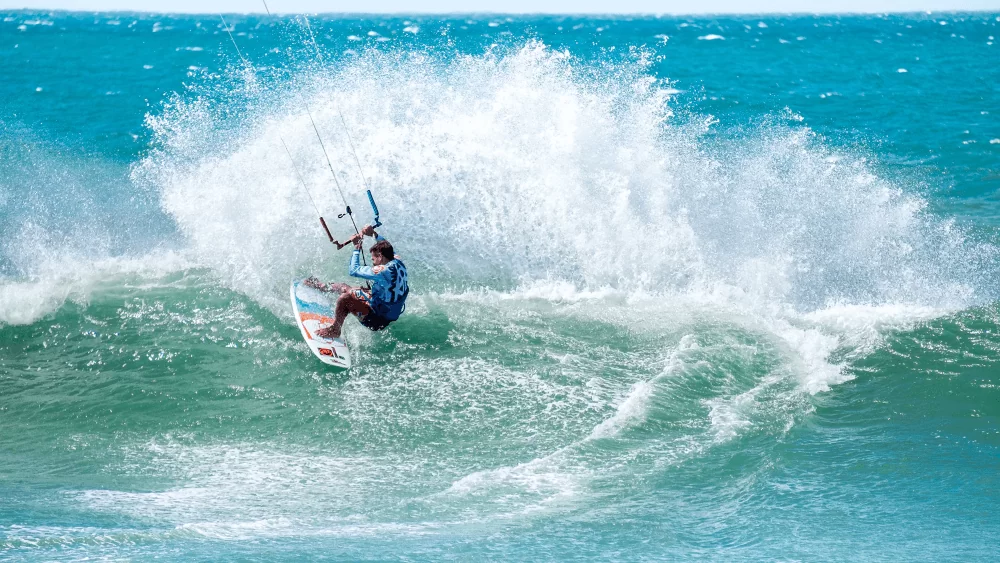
x=661 y=309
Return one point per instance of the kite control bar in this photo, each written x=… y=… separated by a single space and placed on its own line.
x=377 y=223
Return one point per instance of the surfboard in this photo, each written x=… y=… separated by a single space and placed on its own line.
x=313 y=310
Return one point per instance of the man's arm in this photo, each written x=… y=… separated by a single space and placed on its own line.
x=359 y=271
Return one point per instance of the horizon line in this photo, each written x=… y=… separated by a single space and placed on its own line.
x=493 y=13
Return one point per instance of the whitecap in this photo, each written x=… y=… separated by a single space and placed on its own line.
x=68 y=278
x=630 y=411
x=711 y=37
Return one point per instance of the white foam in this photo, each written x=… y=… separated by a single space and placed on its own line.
x=728 y=417
x=544 y=208
x=631 y=410
x=811 y=350
x=246 y=485
x=535 y=476
x=711 y=37
x=61 y=278
x=634 y=407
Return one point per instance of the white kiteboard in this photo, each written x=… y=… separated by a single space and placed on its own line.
x=314 y=309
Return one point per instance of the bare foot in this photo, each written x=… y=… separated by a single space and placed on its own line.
x=315 y=283
x=328 y=332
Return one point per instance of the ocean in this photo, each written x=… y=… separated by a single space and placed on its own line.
x=717 y=287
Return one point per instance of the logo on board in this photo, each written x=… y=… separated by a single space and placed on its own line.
x=328 y=352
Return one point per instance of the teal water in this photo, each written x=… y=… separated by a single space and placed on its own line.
x=683 y=288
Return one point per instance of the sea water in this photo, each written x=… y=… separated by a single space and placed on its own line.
x=707 y=287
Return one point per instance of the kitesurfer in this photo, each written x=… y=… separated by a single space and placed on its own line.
x=386 y=299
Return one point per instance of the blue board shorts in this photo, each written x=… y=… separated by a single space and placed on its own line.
x=371 y=321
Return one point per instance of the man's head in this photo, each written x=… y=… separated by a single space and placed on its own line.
x=382 y=253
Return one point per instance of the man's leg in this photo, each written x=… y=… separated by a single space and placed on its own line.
x=349 y=302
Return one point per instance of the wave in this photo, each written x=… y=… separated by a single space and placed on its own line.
x=70 y=278
x=71 y=224
x=527 y=163
x=527 y=171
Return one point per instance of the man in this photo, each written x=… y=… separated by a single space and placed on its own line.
x=386 y=300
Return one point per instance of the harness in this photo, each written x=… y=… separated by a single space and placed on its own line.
x=384 y=312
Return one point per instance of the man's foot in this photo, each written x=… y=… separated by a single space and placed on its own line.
x=328 y=332
x=315 y=283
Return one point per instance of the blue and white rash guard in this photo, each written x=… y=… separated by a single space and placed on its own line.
x=389 y=284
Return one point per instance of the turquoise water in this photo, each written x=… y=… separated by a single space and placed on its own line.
x=718 y=288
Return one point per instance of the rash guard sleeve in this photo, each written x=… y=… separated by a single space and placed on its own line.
x=359 y=271
x=366 y=272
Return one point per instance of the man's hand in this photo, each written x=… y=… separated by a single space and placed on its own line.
x=359 y=241
x=368 y=231
x=355 y=238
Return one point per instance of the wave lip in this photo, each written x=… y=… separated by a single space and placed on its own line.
x=56 y=282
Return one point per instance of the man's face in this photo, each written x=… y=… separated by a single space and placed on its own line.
x=377 y=259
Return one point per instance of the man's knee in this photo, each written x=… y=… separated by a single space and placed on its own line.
x=344 y=301
x=351 y=303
